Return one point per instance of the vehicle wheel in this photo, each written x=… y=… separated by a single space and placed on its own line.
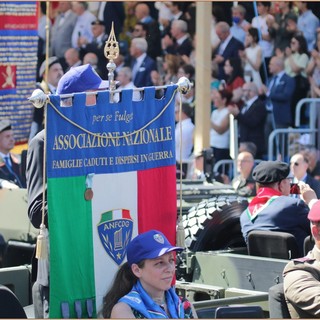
x=214 y=224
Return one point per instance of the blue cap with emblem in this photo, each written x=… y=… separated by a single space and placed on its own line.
x=148 y=245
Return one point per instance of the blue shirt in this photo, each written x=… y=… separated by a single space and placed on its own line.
x=308 y=24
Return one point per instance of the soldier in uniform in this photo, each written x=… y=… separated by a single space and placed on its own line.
x=302 y=276
x=10 y=170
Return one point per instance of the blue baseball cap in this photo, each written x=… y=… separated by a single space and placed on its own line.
x=81 y=79
x=148 y=245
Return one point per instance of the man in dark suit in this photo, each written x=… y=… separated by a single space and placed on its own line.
x=299 y=167
x=112 y=11
x=228 y=48
x=10 y=170
x=280 y=90
x=142 y=64
x=251 y=118
x=179 y=43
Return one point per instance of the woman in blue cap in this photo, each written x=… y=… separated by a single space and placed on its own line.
x=142 y=287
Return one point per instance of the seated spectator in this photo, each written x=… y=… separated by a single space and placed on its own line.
x=92 y=59
x=299 y=168
x=311 y=154
x=143 y=285
x=72 y=57
x=184 y=137
x=272 y=208
x=301 y=276
x=244 y=184
x=248 y=146
x=124 y=77
x=11 y=176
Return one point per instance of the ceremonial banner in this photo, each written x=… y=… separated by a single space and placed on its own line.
x=18 y=62
x=111 y=174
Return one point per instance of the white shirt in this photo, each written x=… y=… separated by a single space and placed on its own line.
x=136 y=96
x=3 y=156
x=187 y=139
x=137 y=65
x=83 y=28
x=217 y=140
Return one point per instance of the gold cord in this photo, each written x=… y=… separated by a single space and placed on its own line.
x=119 y=137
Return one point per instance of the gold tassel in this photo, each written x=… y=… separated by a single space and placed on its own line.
x=42 y=243
x=180 y=234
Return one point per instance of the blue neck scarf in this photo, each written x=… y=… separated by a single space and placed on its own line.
x=139 y=300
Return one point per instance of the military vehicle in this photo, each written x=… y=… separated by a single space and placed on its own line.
x=214 y=270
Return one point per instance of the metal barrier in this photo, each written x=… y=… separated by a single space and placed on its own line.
x=227 y=166
x=282 y=143
x=313 y=111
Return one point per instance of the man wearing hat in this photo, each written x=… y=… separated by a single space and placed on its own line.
x=96 y=46
x=10 y=170
x=55 y=72
x=272 y=208
x=78 y=79
x=301 y=277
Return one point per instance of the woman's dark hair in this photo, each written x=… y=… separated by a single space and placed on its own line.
x=226 y=94
x=303 y=47
x=188 y=70
x=254 y=34
x=265 y=3
x=237 y=70
x=122 y=285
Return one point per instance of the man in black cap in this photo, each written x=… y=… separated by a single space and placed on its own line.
x=96 y=46
x=272 y=208
x=10 y=170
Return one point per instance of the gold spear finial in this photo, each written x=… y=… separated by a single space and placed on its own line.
x=111 y=52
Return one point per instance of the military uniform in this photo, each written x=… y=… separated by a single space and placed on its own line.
x=244 y=187
x=302 y=285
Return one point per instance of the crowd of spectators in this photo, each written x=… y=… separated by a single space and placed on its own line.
x=272 y=46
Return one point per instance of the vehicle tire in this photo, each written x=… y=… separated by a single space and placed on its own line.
x=214 y=224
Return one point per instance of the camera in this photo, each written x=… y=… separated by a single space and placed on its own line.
x=294 y=188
